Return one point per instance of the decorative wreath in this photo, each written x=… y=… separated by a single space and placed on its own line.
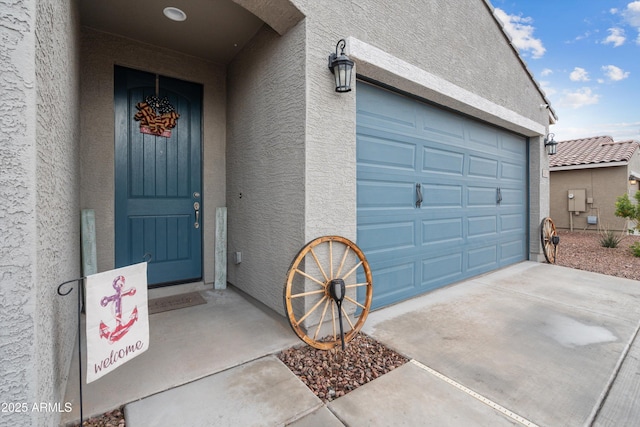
x=156 y=116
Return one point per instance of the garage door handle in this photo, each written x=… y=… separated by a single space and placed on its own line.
x=498 y=195
x=418 y=195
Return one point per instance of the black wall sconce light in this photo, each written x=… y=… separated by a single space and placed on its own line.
x=341 y=67
x=633 y=179
x=551 y=144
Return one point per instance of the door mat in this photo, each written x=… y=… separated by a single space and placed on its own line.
x=174 y=302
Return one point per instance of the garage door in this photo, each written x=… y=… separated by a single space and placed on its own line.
x=471 y=177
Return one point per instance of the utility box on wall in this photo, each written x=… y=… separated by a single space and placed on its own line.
x=577 y=200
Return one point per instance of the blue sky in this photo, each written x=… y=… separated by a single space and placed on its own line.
x=585 y=54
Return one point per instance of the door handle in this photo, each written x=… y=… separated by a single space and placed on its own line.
x=196 y=207
x=418 y=195
x=498 y=195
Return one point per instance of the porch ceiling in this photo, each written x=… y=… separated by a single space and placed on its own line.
x=214 y=29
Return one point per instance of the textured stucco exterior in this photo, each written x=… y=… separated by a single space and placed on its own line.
x=266 y=161
x=17 y=192
x=280 y=15
x=279 y=144
x=539 y=188
x=39 y=215
x=602 y=184
x=474 y=71
x=100 y=52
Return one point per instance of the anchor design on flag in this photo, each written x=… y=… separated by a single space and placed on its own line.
x=121 y=329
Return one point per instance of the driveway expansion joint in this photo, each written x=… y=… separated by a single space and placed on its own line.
x=475 y=395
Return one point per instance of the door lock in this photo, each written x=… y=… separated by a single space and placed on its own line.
x=196 y=207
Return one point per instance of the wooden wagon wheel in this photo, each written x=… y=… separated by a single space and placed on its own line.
x=311 y=310
x=549 y=239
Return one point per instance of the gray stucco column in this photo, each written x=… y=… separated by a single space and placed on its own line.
x=539 y=185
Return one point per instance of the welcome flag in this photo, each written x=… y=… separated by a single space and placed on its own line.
x=117 y=318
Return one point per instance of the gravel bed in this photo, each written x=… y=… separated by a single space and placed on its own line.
x=334 y=373
x=331 y=374
x=113 y=418
x=583 y=251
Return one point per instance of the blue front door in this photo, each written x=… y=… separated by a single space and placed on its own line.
x=158 y=184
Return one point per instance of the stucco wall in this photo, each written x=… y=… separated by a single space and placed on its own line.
x=634 y=162
x=604 y=185
x=100 y=52
x=57 y=201
x=474 y=61
x=473 y=69
x=266 y=161
x=18 y=237
x=40 y=217
x=539 y=195
x=435 y=36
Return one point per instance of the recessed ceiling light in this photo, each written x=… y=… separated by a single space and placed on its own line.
x=174 y=14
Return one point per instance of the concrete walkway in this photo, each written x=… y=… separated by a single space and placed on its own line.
x=532 y=344
x=185 y=345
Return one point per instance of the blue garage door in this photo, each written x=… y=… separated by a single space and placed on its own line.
x=472 y=179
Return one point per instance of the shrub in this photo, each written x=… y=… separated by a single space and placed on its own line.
x=635 y=248
x=609 y=239
x=628 y=210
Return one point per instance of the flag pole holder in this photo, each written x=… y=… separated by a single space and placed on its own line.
x=80 y=301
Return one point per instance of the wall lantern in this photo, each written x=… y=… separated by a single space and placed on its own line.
x=341 y=67
x=633 y=179
x=551 y=144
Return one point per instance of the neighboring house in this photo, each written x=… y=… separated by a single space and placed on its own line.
x=587 y=176
x=438 y=101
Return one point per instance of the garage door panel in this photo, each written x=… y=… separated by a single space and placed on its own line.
x=511 y=251
x=481 y=197
x=483 y=167
x=439 y=125
x=512 y=222
x=482 y=226
x=387 y=236
x=513 y=172
x=435 y=160
x=391 y=116
x=383 y=153
x=441 y=196
x=461 y=228
x=512 y=197
x=482 y=137
x=383 y=195
x=379 y=110
x=393 y=282
x=512 y=146
x=483 y=258
x=440 y=270
x=441 y=231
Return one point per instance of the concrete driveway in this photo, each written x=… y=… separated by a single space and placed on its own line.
x=543 y=342
x=532 y=344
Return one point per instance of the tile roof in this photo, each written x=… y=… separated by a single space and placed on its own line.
x=595 y=150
